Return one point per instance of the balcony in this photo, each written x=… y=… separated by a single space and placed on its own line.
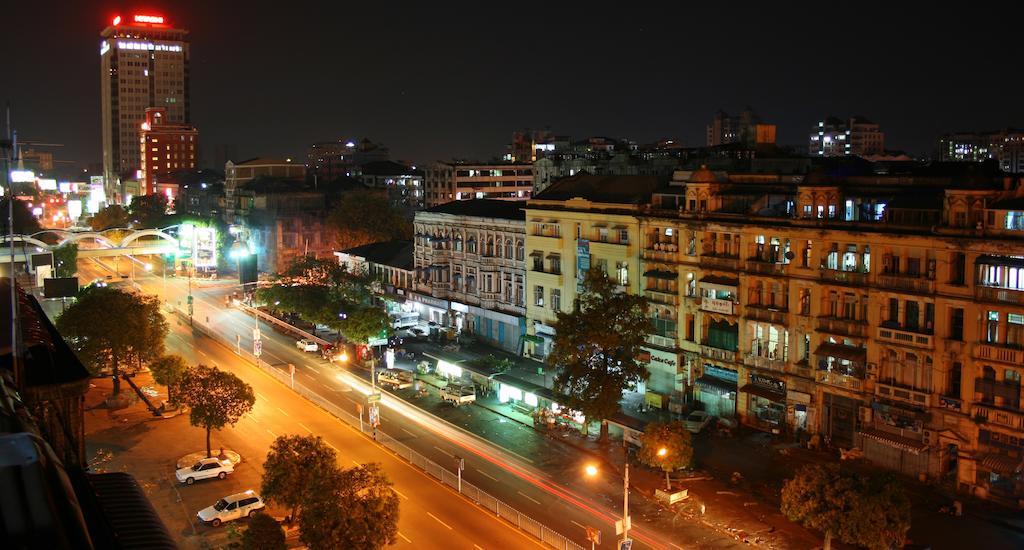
x=718 y=354
x=661 y=341
x=494 y=261
x=660 y=254
x=1006 y=392
x=910 y=283
x=846 y=327
x=906 y=338
x=715 y=305
x=490 y=296
x=728 y=263
x=996 y=294
x=439 y=255
x=996 y=352
x=951 y=403
x=546 y=240
x=659 y=296
x=898 y=392
x=1000 y=417
x=764 y=267
x=763 y=362
x=839 y=380
x=845 y=277
x=763 y=313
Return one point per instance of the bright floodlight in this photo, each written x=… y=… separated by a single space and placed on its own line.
x=591 y=470
x=343 y=357
x=149 y=267
x=662 y=451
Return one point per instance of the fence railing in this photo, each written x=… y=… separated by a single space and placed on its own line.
x=480 y=497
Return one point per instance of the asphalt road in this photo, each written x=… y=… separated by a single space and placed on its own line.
x=533 y=478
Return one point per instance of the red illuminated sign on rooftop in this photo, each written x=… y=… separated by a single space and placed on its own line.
x=142 y=19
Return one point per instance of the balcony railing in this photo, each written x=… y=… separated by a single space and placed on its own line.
x=659 y=255
x=891 y=390
x=847 y=327
x=727 y=263
x=661 y=341
x=995 y=352
x=897 y=281
x=847 y=277
x=717 y=354
x=439 y=254
x=762 y=313
x=996 y=294
x=659 y=296
x=1010 y=419
x=840 y=380
x=767 y=363
x=715 y=305
x=906 y=338
x=764 y=267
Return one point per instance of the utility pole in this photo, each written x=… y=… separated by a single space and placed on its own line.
x=11 y=144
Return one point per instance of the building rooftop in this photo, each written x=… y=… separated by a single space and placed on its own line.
x=398 y=254
x=608 y=189
x=389 y=168
x=482 y=208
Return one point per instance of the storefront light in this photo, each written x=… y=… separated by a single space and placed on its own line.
x=448 y=369
x=530 y=399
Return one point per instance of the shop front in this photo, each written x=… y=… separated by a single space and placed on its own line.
x=894 y=439
x=839 y=419
x=500 y=330
x=765 y=403
x=662 y=380
x=431 y=310
x=541 y=342
x=799 y=413
x=716 y=390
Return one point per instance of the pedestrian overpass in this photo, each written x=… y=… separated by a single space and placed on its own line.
x=92 y=244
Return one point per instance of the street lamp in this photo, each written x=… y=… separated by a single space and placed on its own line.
x=591 y=471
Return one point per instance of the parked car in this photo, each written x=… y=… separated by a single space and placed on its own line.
x=395 y=379
x=417 y=332
x=205 y=469
x=697 y=421
x=307 y=345
x=232 y=507
x=458 y=395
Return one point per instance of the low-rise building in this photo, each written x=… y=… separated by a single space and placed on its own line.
x=857 y=135
x=463 y=180
x=470 y=269
x=403 y=184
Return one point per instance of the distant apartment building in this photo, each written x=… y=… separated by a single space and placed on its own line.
x=530 y=145
x=144 y=62
x=165 y=147
x=403 y=184
x=461 y=180
x=746 y=128
x=858 y=136
x=470 y=269
x=237 y=174
x=1005 y=146
x=328 y=160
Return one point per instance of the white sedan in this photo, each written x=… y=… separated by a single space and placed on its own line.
x=697 y=421
x=306 y=345
x=204 y=469
x=232 y=507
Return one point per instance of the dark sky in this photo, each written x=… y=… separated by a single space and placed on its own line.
x=439 y=80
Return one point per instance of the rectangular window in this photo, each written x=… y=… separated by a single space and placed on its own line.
x=556 y=265
x=894 y=310
x=622 y=273
x=624 y=236
x=538 y=296
x=556 y=299
x=956 y=324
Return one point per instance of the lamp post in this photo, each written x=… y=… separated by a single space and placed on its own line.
x=591 y=471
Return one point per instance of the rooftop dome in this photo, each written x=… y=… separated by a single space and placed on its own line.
x=702 y=175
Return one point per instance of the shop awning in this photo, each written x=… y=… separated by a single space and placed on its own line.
x=900 y=442
x=717 y=282
x=710 y=382
x=661 y=274
x=764 y=392
x=532 y=338
x=850 y=353
x=1000 y=464
x=1008 y=261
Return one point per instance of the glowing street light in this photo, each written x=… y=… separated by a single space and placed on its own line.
x=662 y=452
x=623 y=526
x=591 y=470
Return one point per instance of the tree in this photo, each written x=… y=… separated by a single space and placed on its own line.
x=666 y=446
x=65 y=258
x=354 y=508
x=867 y=512
x=293 y=466
x=362 y=323
x=148 y=210
x=24 y=222
x=596 y=349
x=365 y=216
x=107 y=326
x=216 y=398
x=112 y=215
x=168 y=370
x=263 y=533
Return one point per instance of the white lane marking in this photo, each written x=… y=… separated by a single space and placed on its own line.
x=535 y=501
x=408 y=432
x=477 y=547
x=274 y=435
x=203 y=353
x=485 y=474
x=312 y=368
x=282 y=411
x=404 y=537
x=261 y=396
x=333 y=447
x=439 y=521
x=355 y=462
x=400 y=493
x=444 y=451
x=578 y=524
x=305 y=427
x=674 y=546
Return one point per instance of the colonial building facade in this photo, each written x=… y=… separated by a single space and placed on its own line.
x=885 y=313
x=469 y=265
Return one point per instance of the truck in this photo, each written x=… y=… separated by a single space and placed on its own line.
x=458 y=394
x=396 y=379
x=404 y=320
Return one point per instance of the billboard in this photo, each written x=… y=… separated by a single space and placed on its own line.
x=46 y=184
x=582 y=262
x=61 y=287
x=199 y=243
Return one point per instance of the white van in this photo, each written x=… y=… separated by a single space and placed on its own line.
x=404 y=320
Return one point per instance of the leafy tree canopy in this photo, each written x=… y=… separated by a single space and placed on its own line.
x=65 y=258
x=216 y=398
x=354 y=508
x=112 y=215
x=168 y=370
x=263 y=533
x=293 y=466
x=365 y=216
x=597 y=346
x=666 y=446
x=24 y=222
x=148 y=210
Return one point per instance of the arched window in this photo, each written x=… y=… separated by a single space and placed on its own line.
x=508 y=249
x=520 y=250
x=471 y=245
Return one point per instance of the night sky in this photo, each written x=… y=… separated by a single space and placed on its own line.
x=439 y=80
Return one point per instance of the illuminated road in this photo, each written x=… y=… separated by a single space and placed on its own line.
x=533 y=480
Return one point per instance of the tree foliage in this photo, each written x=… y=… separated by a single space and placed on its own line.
x=112 y=215
x=596 y=348
x=167 y=371
x=148 y=211
x=355 y=508
x=874 y=513
x=674 y=438
x=365 y=216
x=362 y=323
x=107 y=326
x=65 y=258
x=24 y=222
x=216 y=398
x=263 y=533
x=294 y=465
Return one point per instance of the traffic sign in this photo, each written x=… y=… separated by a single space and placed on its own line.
x=190 y=298
x=618 y=525
x=374 y=416
x=625 y=544
x=373 y=398
x=255 y=334
x=257 y=347
x=460 y=463
x=594 y=535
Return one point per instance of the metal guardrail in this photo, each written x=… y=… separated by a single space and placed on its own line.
x=481 y=498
